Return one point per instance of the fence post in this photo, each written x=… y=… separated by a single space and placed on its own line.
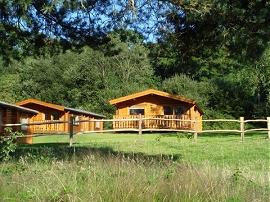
x=71 y=120
x=268 y=126
x=242 y=128
x=195 y=130
x=140 y=127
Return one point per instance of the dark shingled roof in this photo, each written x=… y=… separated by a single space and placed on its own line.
x=19 y=108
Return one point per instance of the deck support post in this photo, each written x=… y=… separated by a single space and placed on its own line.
x=242 y=128
x=140 y=127
x=71 y=120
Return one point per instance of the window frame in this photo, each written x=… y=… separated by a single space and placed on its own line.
x=24 y=120
x=76 y=118
x=55 y=116
x=173 y=109
x=136 y=108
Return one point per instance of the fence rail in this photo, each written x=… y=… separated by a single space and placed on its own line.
x=140 y=129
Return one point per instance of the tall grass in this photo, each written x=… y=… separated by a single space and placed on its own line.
x=118 y=178
x=165 y=169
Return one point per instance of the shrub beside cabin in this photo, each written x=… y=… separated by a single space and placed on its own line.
x=12 y=114
x=156 y=105
x=53 y=114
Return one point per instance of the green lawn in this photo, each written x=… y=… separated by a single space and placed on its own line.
x=117 y=167
x=218 y=149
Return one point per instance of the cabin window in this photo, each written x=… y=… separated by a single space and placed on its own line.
x=173 y=110
x=51 y=116
x=136 y=111
x=97 y=124
x=24 y=121
x=179 y=110
x=168 y=110
x=76 y=120
x=55 y=116
x=47 y=116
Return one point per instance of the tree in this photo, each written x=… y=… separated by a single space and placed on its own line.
x=262 y=101
x=7 y=90
x=236 y=93
x=213 y=38
x=129 y=69
x=195 y=30
x=182 y=85
x=131 y=60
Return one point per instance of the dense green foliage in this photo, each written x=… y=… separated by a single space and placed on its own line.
x=84 y=53
x=8 y=144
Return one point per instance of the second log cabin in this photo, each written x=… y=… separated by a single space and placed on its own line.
x=55 y=114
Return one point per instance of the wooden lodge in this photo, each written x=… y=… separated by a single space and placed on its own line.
x=58 y=118
x=11 y=114
x=159 y=110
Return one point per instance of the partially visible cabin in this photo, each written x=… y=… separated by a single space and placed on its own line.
x=53 y=114
x=157 y=105
x=13 y=114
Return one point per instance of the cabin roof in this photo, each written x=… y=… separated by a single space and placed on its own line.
x=84 y=112
x=38 y=102
x=19 y=108
x=58 y=107
x=154 y=92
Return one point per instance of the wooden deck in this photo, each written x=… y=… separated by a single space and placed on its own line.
x=181 y=122
x=153 y=122
x=62 y=126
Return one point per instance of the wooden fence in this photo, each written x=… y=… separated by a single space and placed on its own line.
x=140 y=129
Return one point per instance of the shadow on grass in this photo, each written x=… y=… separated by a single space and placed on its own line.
x=62 y=151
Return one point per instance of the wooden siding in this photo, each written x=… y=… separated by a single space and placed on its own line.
x=13 y=116
x=8 y=116
x=46 y=114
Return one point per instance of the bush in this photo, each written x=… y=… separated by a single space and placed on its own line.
x=8 y=144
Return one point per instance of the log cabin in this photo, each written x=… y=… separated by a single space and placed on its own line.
x=161 y=110
x=11 y=114
x=58 y=118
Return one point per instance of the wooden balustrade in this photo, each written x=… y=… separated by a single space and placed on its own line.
x=152 y=122
x=46 y=128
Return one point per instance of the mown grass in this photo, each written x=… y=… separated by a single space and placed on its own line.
x=219 y=149
x=116 y=167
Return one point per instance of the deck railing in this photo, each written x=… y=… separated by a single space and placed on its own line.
x=52 y=126
x=152 y=122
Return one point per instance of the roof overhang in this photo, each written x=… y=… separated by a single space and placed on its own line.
x=84 y=112
x=155 y=92
x=38 y=102
x=57 y=107
x=19 y=108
